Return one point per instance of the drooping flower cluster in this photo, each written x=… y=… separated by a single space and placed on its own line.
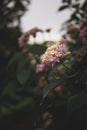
x=83 y=35
x=24 y=38
x=52 y=55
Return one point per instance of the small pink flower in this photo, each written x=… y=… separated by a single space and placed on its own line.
x=40 y=67
x=61 y=47
x=47 y=115
x=59 y=90
x=61 y=50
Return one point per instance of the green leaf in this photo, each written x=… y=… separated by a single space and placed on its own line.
x=7 y=110
x=50 y=87
x=75 y=5
x=38 y=49
x=63 y=7
x=23 y=76
x=75 y=102
x=15 y=58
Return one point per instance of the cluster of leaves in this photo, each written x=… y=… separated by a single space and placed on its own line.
x=77 y=8
x=22 y=88
x=11 y=12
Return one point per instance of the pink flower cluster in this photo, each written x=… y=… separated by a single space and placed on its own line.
x=83 y=35
x=51 y=56
x=24 y=38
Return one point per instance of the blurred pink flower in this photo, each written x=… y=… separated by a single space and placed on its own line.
x=40 y=67
x=23 y=39
x=46 y=115
x=59 y=90
x=62 y=50
x=34 y=31
x=83 y=35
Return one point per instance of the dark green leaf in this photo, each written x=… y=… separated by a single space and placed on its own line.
x=23 y=76
x=75 y=102
x=63 y=7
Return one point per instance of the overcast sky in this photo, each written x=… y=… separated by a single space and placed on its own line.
x=44 y=14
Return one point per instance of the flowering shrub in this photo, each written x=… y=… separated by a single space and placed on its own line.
x=49 y=81
x=52 y=78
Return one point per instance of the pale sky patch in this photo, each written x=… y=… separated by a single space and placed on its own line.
x=43 y=14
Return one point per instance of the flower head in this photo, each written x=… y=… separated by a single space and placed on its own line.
x=40 y=67
x=53 y=54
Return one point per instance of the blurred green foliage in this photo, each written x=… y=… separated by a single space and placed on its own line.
x=78 y=9
x=11 y=12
